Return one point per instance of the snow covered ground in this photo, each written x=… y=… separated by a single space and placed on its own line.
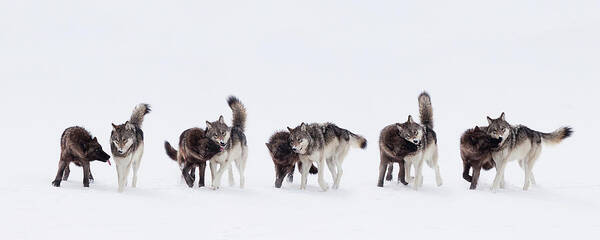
x=360 y=64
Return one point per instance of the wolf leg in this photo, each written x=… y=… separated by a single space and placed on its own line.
x=418 y=174
x=321 y=174
x=438 y=176
x=201 y=170
x=230 y=173
x=290 y=176
x=91 y=177
x=242 y=167
x=186 y=174
x=304 y=171
x=407 y=169
x=499 y=175
x=136 y=167
x=383 y=166
x=222 y=167
x=59 y=174
x=466 y=169
x=476 y=171
x=86 y=173
x=340 y=172
x=331 y=166
x=66 y=173
x=213 y=170
x=390 y=170
x=402 y=173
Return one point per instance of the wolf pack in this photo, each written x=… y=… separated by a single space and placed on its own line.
x=309 y=147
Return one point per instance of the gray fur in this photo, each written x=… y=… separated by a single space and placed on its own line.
x=519 y=143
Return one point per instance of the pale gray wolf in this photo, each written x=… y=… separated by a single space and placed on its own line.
x=284 y=158
x=127 y=145
x=194 y=150
x=476 y=148
x=425 y=138
x=522 y=144
x=320 y=143
x=79 y=147
x=232 y=141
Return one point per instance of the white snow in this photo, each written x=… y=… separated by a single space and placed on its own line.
x=360 y=64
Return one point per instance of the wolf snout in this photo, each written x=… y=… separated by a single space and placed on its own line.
x=416 y=141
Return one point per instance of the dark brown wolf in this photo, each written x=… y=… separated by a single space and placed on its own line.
x=476 y=148
x=194 y=150
x=284 y=158
x=393 y=149
x=78 y=146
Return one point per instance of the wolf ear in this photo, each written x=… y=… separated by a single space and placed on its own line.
x=221 y=119
x=289 y=129
x=398 y=126
x=303 y=127
x=490 y=120
x=503 y=116
x=95 y=139
x=114 y=126
x=410 y=119
x=208 y=126
x=477 y=128
x=268 y=146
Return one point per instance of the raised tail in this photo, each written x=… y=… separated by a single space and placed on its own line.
x=425 y=110
x=239 y=112
x=557 y=136
x=171 y=152
x=137 y=117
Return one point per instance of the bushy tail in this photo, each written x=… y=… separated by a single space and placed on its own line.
x=171 y=152
x=239 y=112
x=358 y=141
x=557 y=136
x=137 y=117
x=425 y=110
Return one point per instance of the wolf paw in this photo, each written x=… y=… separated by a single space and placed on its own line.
x=388 y=177
x=56 y=183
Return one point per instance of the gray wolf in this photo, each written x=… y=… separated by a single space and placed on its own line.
x=127 y=145
x=425 y=138
x=522 y=144
x=476 y=148
x=284 y=158
x=79 y=147
x=233 y=143
x=320 y=143
x=194 y=150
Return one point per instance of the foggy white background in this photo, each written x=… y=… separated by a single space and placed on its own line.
x=359 y=64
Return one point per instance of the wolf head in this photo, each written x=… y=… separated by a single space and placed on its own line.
x=122 y=138
x=498 y=128
x=299 y=138
x=93 y=150
x=411 y=131
x=218 y=131
x=482 y=141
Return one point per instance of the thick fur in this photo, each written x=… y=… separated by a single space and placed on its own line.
x=194 y=150
x=476 y=148
x=127 y=145
x=79 y=147
x=424 y=137
x=393 y=149
x=320 y=143
x=232 y=141
x=520 y=143
x=284 y=158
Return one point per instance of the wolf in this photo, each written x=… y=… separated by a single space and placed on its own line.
x=78 y=146
x=393 y=149
x=127 y=145
x=322 y=143
x=520 y=143
x=284 y=158
x=194 y=150
x=232 y=141
x=476 y=148
x=425 y=138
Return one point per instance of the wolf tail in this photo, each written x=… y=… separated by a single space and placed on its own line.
x=239 y=112
x=358 y=141
x=171 y=152
x=557 y=136
x=137 y=117
x=425 y=110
